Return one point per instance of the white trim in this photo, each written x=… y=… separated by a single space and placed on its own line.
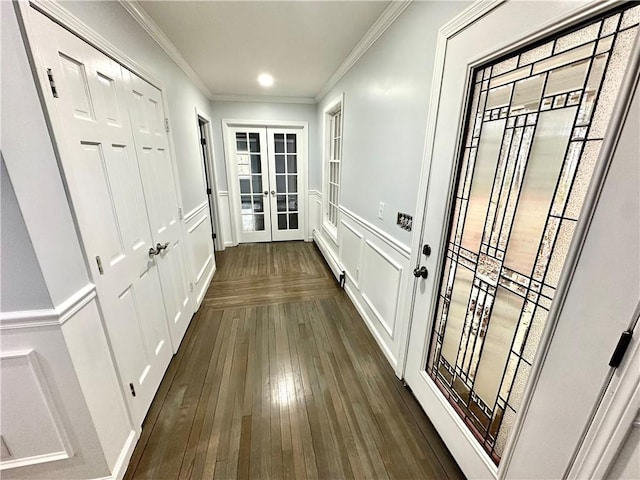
x=223 y=193
x=327 y=253
x=205 y=287
x=193 y=213
x=56 y=12
x=56 y=316
x=262 y=99
x=34 y=460
x=120 y=467
x=204 y=267
x=371 y=327
x=146 y=22
x=384 y=21
x=327 y=112
x=398 y=246
x=232 y=122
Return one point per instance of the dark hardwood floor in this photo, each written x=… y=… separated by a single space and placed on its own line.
x=278 y=377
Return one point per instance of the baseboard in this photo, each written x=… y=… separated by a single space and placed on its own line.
x=120 y=468
x=328 y=255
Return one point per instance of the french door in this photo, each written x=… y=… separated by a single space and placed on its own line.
x=268 y=167
x=506 y=198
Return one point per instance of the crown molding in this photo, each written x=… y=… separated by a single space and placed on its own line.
x=384 y=21
x=146 y=22
x=262 y=99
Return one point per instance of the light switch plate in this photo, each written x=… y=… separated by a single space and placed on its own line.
x=381 y=211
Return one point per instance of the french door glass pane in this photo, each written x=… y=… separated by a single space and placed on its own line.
x=531 y=143
x=248 y=154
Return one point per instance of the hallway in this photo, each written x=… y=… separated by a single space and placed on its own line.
x=278 y=377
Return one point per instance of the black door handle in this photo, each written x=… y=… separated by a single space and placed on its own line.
x=420 y=272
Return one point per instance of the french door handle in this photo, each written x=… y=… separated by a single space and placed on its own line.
x=160 y=247
x=266 y=192
x=273 y=192
x=153 y=252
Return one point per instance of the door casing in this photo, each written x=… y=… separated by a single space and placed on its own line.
x=558 y=17
x=232 y=177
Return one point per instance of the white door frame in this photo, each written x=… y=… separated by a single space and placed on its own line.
x=232 y=176
x=458 y=431
x=213 y=176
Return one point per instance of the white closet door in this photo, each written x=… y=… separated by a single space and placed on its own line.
x=101 y=171
x=285 y=175
x=160 y=190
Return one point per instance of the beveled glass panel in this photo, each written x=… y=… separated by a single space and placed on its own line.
x=241 y=142
x=483 y=176
x=292 y=164
x=293 y=203
x=254 y=142
x=579 y=37
x=566 y=79
x=256 y=167
x=564 y=58
x=282 y=221
x=293 y=221
x=258 y=203
x=510 y=77
x=257 y=183
x=280 y=164
x=499 y=97
x=291 y=143
x=526 y=96
x=541 y=175
x=457 y=313
x=245 y=185
x=497 y=344
x=278 y=141
x=292 y=183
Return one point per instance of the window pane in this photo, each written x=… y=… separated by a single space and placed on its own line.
x=254 y=142
x=280 y=168
x=292 y=181
x=293 y=221
x=255 y=164
x=241 y=142
x=257 y=183
x=293 y=203
x=281 y=186
x=282 y=221
x=258 y=205
x=278 y=140
x=281 y=202
x=245 y=185
x=291 y=143
x=292 y=163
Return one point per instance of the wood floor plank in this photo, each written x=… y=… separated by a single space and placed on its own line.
x=278 y=377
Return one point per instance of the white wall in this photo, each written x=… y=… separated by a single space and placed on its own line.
x=21 y=282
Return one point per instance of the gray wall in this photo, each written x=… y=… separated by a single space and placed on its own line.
x=385 y=112
x=110 y=20
x=290 y=112
x=22 y=285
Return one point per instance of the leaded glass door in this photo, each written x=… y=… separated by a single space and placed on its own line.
x=534 y=128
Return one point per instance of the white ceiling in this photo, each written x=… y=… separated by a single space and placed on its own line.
x=229 y=43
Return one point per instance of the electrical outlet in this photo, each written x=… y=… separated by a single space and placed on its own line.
x=381 y=211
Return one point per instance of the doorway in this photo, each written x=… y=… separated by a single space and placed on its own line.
x=266 y=168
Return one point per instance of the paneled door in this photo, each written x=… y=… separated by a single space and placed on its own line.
x=98 y=156
x=268 y=183
x=161 y=194
x=529 y=252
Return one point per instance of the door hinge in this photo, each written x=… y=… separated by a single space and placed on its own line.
x=52 y=83
x=166 y=124
x=214 y=236
x=208 y=191
x=621 y=349
x=179 y=214
x=343 y=278
x=133 y=390
x=99 y=262
x=203 y=141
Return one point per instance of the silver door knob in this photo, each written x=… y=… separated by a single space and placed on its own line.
x=160 y=247
x=266 y=192
x=273 y=192
x=153 y=252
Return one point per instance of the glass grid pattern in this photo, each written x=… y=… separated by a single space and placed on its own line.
x=249 y=154
x=508 y=237
x=335 y=155
x=286 y=174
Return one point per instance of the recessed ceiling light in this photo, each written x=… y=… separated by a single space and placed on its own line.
x=265 y=80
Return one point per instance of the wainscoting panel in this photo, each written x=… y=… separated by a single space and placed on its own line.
x=202 y=252
x=224 y=217
x=314 y=203
x=32 y=432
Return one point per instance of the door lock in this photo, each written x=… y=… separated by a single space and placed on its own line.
x=420 y=272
